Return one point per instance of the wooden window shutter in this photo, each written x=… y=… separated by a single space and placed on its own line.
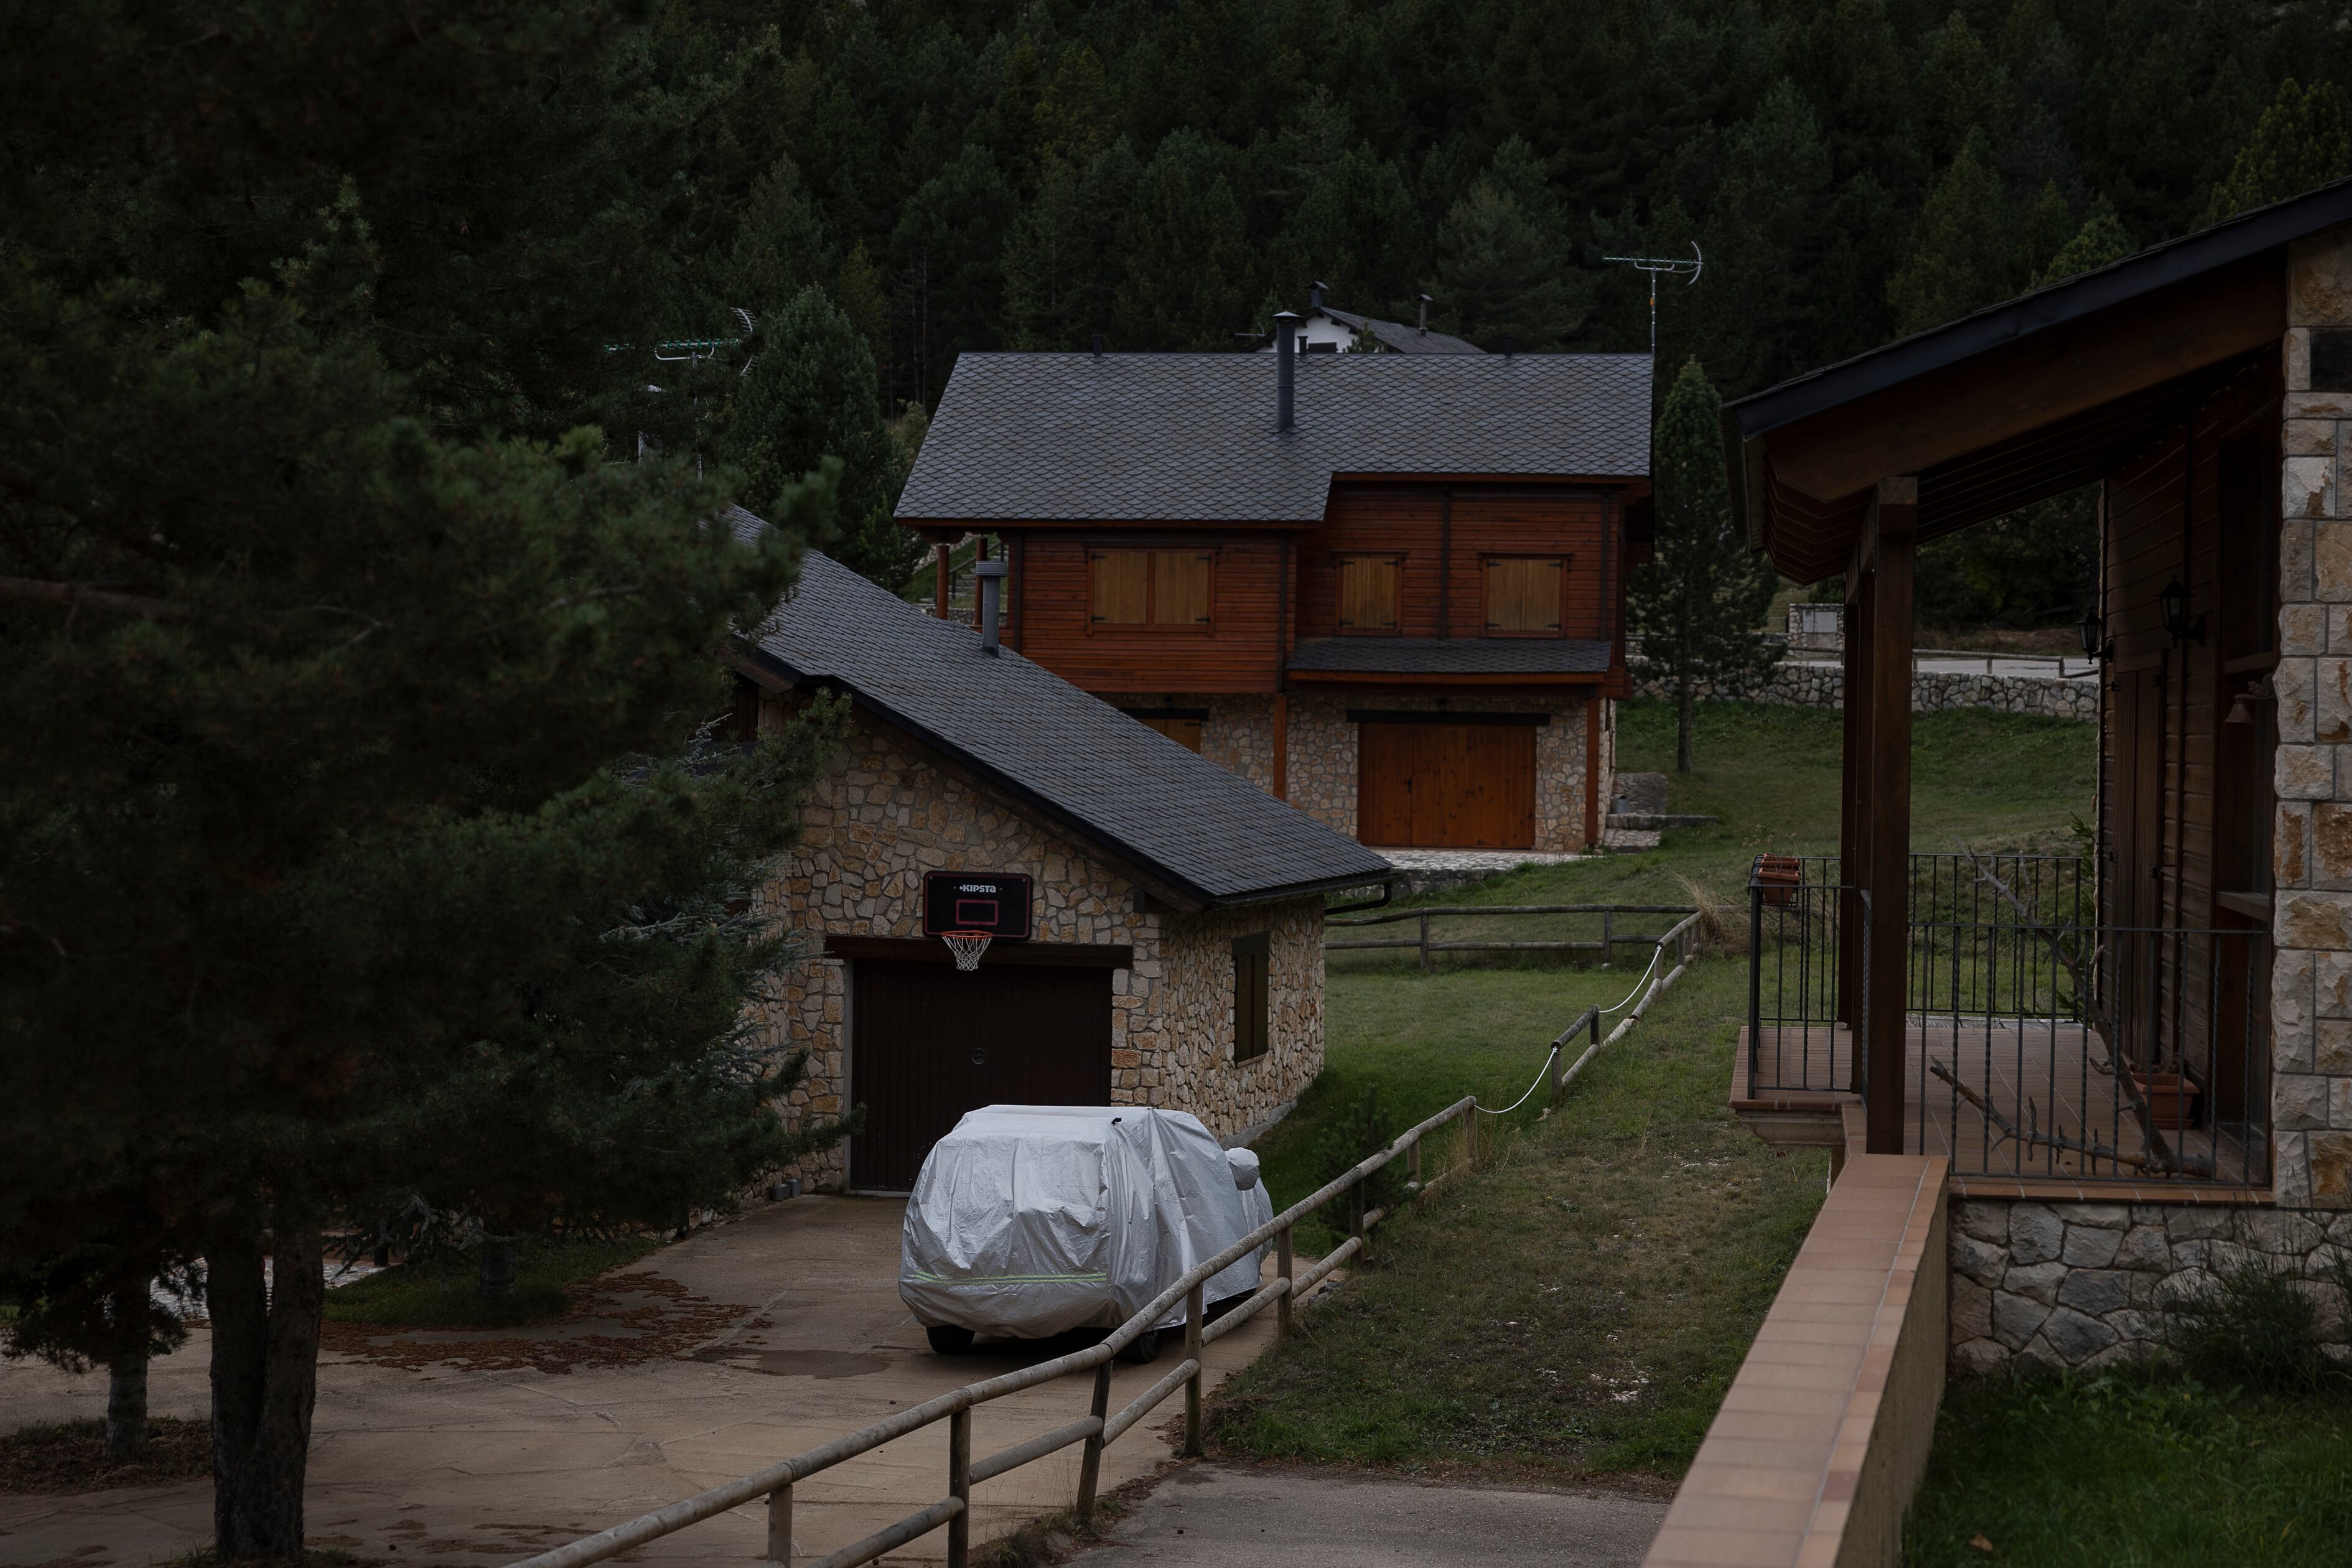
x=1252 y=1009
x=1180 y=588
x=1367 y=593
x=1524 y=593
x=1122 y=578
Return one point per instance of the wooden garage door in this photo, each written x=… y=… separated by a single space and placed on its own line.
x=927 y=1043
x=1447 y=786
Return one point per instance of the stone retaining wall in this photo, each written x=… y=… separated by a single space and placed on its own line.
x=1793 y=684
x=2058 y=1285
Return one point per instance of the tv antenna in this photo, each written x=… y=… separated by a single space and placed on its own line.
x=1672 y=268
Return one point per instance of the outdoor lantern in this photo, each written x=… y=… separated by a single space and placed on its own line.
x=2093 y=632
x=2174 y=602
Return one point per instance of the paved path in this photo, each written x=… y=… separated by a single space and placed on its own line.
x=1226 y=1516
x=798 y=1337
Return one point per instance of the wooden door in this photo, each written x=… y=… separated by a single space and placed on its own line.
x=928 y=1043
x=1447 y=786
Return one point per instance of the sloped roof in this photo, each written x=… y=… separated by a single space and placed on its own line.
x=1452 y=656
x=1175 y=816
x=1191 y=438
x=1398 y=338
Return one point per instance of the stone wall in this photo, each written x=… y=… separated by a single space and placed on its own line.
x=1812 y=684
x=2055 y=1285
x=882 y=815
x=2311 y=973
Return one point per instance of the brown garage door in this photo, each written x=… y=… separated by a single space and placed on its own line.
x=1447 y=786
x=927 y=1043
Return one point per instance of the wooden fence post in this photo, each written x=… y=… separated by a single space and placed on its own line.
x=1470 y=1136
x=1090 y=1463
x=1425 y=939
x=1192 y=1352
x=959 y=1485
x=780 y=1525
x=1356 y=1209
x=1283 y=1266
x=1608 y=940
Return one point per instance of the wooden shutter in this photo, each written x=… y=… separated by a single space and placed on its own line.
x=1120 y=582
x=1367 y=593
x=1180 y=588
x=1251 y=1032
x=1185 y=732
x=1524 y=593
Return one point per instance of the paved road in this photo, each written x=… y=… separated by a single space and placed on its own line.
x=1224 y=1516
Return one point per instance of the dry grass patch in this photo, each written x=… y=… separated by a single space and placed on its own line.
x=72 y=1457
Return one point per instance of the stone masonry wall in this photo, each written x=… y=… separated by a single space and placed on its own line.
x=2311 y=971
x=1811 y=684
x=1323 y=758
x=882 y=815
x=1237 y=735
x=2059 y=1285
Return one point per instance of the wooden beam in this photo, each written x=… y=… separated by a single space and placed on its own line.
x=1893 y=523
x=942 y=572
x=2033 y=380
x=1854 y=796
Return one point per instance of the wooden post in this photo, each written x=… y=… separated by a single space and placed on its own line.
x=1608 y=938
x=1282 y=745
x=780 y=1525
x=1425 y=939
x=1893 y=515
x=1090 y=1463
x=944 y=575
x=1592 y=806
x=1356 y=1209
x=1853 y=801
x=1193 y=1384
x=1470 y=1136
x=959 y=1485
x=1285 y=1267
x=1412 y=1165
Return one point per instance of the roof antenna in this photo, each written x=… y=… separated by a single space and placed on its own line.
x=1654 y=265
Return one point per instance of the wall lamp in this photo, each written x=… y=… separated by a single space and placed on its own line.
x=2094 y=634
x=2174 y=602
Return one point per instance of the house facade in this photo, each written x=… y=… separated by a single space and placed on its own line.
x=2138 y=1060
x=1386 y=588
x=1174 y=954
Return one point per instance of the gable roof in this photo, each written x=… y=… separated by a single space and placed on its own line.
x=1398 y=338
x=1191 y=438
x=1182 y=822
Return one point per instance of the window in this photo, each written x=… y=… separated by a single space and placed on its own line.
x=1367 y=593
x=1525 y=595
x=1150 y=588
x=1181 y=725
x=1250 y=1022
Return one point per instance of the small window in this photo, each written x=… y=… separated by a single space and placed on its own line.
x=1525 y=595
x=1181 y=725
x=1150 y=588
x=1367 y=593
x=1251 y=1030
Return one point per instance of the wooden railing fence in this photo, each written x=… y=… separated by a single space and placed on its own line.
x=1606 y=945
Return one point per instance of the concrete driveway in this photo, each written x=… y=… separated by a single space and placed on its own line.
x=758 y=1340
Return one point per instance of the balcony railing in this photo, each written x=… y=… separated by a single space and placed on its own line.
x=2039 y=1043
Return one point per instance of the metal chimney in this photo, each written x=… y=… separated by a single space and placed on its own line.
x=1424 y=314
x=1315 y=296
x=1097 y=345
x=990 y=576
x=1286 y=366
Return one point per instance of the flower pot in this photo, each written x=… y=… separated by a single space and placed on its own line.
x=2171 y=1097
x=1778 y=877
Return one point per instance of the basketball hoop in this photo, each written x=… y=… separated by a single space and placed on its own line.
x=967 y=946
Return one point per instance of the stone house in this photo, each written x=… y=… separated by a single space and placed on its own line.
x=1388 y=588
x=2138 y=1060
x=1174 y=946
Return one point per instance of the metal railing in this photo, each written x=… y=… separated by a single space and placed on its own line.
x=2038 y=1042
x=1098 y=1427
x=1606 y=943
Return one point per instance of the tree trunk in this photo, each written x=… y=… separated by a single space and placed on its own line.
x=265 y=1382
x=498 y=1281
x=1682 y=724
x=126 y=1409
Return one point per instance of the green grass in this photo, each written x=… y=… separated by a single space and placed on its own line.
x=2133 y=1470
x=440 y=1291
x=1581 y=1303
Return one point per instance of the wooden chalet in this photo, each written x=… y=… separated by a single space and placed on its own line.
x=2173 y=1008
x=1386 y=588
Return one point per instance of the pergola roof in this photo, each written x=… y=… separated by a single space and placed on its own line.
x=2021 y=401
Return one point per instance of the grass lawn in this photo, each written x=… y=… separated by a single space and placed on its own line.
x=2134 y=1471
x=439 y=1292
x=1582 y=1303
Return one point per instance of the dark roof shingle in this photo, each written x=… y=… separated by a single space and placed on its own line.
x=1190 y=436
x=1171 y=813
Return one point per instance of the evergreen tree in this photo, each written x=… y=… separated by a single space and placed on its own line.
x=1502 y=263
x=2100 y=240
x=948 y=251
x=2303 y=139
x=1188 y=267
x=1698 y=606
x=1960 y=248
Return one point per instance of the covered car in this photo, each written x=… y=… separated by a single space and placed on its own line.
x=1032 y=1220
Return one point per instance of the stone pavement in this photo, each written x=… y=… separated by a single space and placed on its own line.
x=1230 y=1516
x=474 y=1467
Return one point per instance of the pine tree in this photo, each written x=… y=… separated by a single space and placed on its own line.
x=1960 y=255
x=2304 y=139
x=1504 y=269
x=1698 y=606
x=1188 y=265
x=2100 y=240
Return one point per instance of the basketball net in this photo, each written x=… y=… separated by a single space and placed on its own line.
x=967 y=946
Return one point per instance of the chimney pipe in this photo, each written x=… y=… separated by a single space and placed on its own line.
x=1286 y=366
x=1097 y=345
x=1424 y=315
x=1315 y=296
x=991 y=577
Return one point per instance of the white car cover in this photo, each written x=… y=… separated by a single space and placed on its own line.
x=1028 y=1220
